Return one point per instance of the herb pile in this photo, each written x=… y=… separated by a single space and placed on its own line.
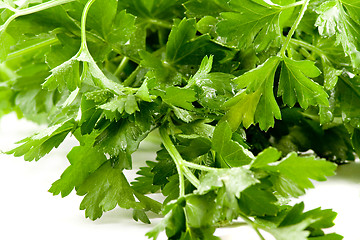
x=248 y=97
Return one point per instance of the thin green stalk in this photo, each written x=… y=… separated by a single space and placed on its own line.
x=307 y=46
x=33 y=9
x=130 y=80
x=85 y=56
x=191 y=177
x=160 y=23
x=32 y=48
x=335 y=122
x=83 y=24
x=179 y=162
x=175 y=156
x=198 y=167
x=292 y=5
x=252 y=224
x=293 y=28
x=316 y=50
x=121 y=66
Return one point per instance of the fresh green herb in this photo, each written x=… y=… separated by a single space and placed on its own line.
x=249 y=98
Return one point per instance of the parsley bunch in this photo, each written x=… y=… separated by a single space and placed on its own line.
x=248 y=97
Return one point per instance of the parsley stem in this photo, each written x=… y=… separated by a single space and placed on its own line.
x=292 y=5
x=198 y=167
x=175 y=156
x=83 y=24
x=160 y=23
x=33 y=9
x=32 y=48
x=308 y=46
x=121 y=66
x=179 y=162
x=294 y=27
x=252 y=224
x=316 y=50
x=130 y=80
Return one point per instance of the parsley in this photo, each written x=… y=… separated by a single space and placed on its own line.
x=248 y=98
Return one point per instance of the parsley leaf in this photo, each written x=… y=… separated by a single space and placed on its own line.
x=332 y=18
x=257 y=103
x=41 y=143
x=104 y=189
x=231 y=152
x=84 y=160
x=294 y=84
x=250 y=22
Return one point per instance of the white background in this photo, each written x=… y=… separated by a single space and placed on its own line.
x=29 y=211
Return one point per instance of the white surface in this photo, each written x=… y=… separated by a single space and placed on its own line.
x=28 y=211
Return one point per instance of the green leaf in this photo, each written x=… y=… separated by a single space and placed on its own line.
x=200 y=210
x=173 y=222
x=101 y=16
x=235 y=180
x=163 y=74
x=349 y=100
x=257 y=104
x=164 y=169
x=330 y=75
x=185 y=48
x=295 y=84
x=183 y=115
x=179 y=39
x=250 y=23
x=192 y=146
x=84 y=161
x=298 y=225
x=161 y=9
x=131 y=105
x=144 y=182
x=330 y=236
x=180 y=97
x=143 y=92
x=294 y=173
x=41 y=143
x=106 y=188
x=122 y=30
x=212 y=89
x=6 y=41
x=171 y=189
x=352 y=8
x=230 y=151
x=199 y=8
x=62 y=52
x=65 y=75
x=258 y=201
x=35 y=104
x=149 y=203
x=267 y=156
x=328 y=18
x=296 y=231
x=120 y=139
x=90 y=114
x=336 y=15
x=140 y=215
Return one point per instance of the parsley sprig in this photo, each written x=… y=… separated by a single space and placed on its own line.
x=247 y=99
